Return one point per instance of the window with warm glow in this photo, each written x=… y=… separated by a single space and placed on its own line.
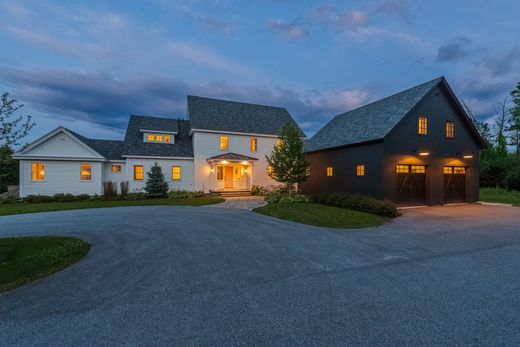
x=270 y=171
x=158 y=138
x=238 y=173
x=116 y=168
x=150 y=138
x=360 y=170
x=450 y=129
x=402 y=169
x=330 y=171
x=223 y=143
x=422 y=125
x=220 y=173
x=38 y=171
x=279 y=142
x=85 y=172
x=459 y=170
x=418 y=169
x=176 y=173
x=253 y=143
x=167 y=138
x=448 y=170
x=138 y=172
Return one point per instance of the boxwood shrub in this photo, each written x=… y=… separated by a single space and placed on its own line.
x=357 y=203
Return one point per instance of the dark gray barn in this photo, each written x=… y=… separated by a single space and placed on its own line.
x=416 y=147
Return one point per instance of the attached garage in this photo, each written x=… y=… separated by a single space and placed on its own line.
x=454 y=184
x=411 y=184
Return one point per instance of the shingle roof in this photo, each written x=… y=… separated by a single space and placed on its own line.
x=222 y=115
x=110 y=149
x=134 y=145
x=231 y=156
x=370 y=122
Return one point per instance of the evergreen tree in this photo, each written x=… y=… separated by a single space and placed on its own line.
x=8 y=168
x=156 y=185
x=287 y=161
x=514 y=120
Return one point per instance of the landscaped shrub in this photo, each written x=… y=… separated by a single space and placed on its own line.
x=135 y=196
x=38 y=199
x=109 y=190
x=258 y=190
x=124 y=185
x=357 y=203
x=283 y=195
x=156 y=185
x=184 y=194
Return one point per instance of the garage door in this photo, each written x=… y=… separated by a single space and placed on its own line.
x=454 y=184
x=411 y=184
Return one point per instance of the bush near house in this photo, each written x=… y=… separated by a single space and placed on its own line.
x=156 y=185
x=185 y=194
x=258 y=190
x=357 y=203
x=286 y=197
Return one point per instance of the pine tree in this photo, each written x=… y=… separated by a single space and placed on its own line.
x=287 y=161
x=514 y=120
x=156 y=185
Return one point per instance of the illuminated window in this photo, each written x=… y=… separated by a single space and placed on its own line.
x=402 y=168
x=253 y=143
x=450 y=129
x=418 y=169
x=138 y=172
x=158 y=138
x=459 y=170
x=279 y=142
x=423 y=125
x=85 y=172
x=38 y=171
x=223 y=143
x=150 y=138
x=116 y=168
x=220 y=173
x=448 y=170
x=330 y=171
x=238 y=173
x=176 y=173
x=270 y=171
x=167 y=138
x=360 y=170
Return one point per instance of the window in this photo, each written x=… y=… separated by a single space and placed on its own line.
x=176 y=173
x=85 y=172
x=167 y=138
x=279 y=142
x=450 y=129
x=116 y=168
x=402 y=169
x=360 y=170
x=220 y=173
x=158 y=138
x=253 y=143
x=150 y=138
x=270 y=171
x=418 y=169
x=448 y=170
x=223 y=143
x=423 y=125
x=38 y=171
x=459 y=170
x=330 y=171
x=238 y=173
x=138 y=172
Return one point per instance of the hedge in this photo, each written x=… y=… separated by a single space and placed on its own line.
x=357 y=203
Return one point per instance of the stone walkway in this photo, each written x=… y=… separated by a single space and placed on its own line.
x=244 y=203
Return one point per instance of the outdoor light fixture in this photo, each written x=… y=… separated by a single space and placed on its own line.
x=223 y=162
x=424 y=154
x=244 y=162
x=211 y=170
x=468 y=156
x=245 y=170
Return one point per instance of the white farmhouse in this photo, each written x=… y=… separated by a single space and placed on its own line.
x=220 y=147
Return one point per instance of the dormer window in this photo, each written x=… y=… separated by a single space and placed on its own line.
x=158 y=137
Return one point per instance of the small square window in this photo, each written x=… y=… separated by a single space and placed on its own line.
x=422 y=125
x=223 y=143
x=150 y=138
x=85 y=172
x=360 y=170
x=159 y=138
x=450 y=129
x=116 y=168
x=176 y=173
x=37 y=171
x=330 y=171
x=167 y=138
x=138 y=172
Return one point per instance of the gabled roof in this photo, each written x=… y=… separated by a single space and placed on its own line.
x=135 y=146
x=231 y=116
x=370 y=122
x=231 y=156
x=110 y=149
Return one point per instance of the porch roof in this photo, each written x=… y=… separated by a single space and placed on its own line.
x=231 y=156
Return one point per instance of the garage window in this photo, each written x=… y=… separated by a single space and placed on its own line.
x=418 y=169
x=360 y=170
x=402 y=168
x=330 y=171
x=459 y=170
x=448 y=170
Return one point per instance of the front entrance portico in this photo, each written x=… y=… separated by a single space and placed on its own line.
x=231 y=172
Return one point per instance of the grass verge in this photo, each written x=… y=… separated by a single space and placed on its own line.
x=20 y=207
x=321 y=215
x=25 y=259
x=500 y=195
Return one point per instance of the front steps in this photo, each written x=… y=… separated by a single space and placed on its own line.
x=232 y=193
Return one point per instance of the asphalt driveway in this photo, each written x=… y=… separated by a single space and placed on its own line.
x=164 y=275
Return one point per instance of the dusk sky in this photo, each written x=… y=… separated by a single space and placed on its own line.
x=88 y=65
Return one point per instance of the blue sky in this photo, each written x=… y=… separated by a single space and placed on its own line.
x=88 y=65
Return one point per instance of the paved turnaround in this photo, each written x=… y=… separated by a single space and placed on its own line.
x=163 y=275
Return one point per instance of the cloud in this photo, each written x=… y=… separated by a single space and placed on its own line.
x=399 y=8
x=341 y=20
x=209 y=23
x=454 y=50
x=288 y=31
x=64 y=97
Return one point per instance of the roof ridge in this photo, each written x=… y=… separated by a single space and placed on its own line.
x=234 y=101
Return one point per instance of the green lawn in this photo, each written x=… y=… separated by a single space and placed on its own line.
x=500 y=195
x=321 y=215
x=18 y=208
x=25 y=259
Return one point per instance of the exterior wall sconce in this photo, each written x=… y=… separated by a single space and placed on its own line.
x=468 y=156
x=424 y=154
x=245 y=170
x=211 y=170
x=244 y=162
x=223 y=162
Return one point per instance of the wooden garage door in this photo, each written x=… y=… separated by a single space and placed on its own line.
x=411 y=184
x=454 y=184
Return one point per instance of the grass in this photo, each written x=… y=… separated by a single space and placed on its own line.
x=20 y=207
x=321 y=215
x=25 y=259
x=500 y=195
